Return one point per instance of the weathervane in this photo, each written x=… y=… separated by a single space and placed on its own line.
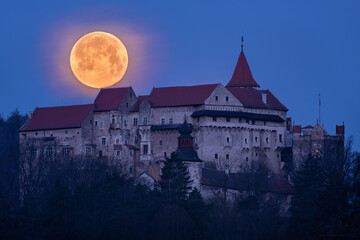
x=242 y=43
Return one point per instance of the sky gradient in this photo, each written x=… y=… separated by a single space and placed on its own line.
x=294 y=49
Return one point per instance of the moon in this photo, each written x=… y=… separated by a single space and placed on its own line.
x=99 y=59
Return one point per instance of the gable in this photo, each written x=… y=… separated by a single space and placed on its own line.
x=222 y=97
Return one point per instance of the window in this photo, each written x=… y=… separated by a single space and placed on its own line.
x=101 y=125
x=228 y=139
x=240 y=120
x=198 y=119
x=280 y=137
x=103 y=141
x=78 y=132
x=247 y=159
x=216 y=156
x=37 y=133
x=65 y=151
x=88 y=151
x=216 y=98
x=228 y=119
x=278 y=155
x=171 y=120
x=227 y=99
x=245 y=140
x=127 y=105
x=117 y=141
x=160 y=142
x=256 y=154
x=135 y=121
x=125 y=123
x=136 y=139
x=267 y=140
x=96 y=123
x=247 y=121
x=131 y=153
x=145 y=149
x=214 y=119
x=227 y=156
x=163 y=121
x=253 y=122
x=256 y=139
x=65 y=132
x=264 y=123
x=118 y=153
x=100 y=153
x=145 y=121
x=113 y=120
x=165 y=154
x=49 y=151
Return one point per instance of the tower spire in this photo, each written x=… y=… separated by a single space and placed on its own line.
x=319 y=110
x=242 y=43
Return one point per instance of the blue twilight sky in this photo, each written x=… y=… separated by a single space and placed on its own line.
x=294 y=48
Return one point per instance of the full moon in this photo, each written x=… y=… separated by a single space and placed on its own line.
x=99 y=59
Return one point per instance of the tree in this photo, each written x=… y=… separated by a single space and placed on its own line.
x=175 y=180
x=308 y=189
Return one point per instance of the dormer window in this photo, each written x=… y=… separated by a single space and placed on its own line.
x=227 y=99
x=216 y=98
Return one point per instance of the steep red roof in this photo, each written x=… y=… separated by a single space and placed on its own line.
x=251 y=97
x=110 y=99
x=242 y=76
x=57 y=117
x=179 y=96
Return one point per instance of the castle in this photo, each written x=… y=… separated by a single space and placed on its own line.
x=227 y=127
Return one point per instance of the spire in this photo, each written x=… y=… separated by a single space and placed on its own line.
x=242 y=76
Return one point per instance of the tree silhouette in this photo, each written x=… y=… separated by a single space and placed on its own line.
x=175 y=180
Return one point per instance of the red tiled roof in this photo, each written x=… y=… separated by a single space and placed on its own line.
x=251 y=97
x=110 y=99
x=242 y=76
x=181 y=96
x=177 y=96
x=308 y=127
x=57 y=117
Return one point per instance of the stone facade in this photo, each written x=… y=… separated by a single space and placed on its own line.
x=232 y=127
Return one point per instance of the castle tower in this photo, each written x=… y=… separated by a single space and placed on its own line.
x=242 y=76
x=188 y=155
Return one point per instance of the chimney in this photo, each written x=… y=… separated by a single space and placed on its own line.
x=263 y=95
x=297 y=129
x=340 y=130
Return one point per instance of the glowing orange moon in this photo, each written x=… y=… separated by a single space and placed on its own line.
x=99 y=59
